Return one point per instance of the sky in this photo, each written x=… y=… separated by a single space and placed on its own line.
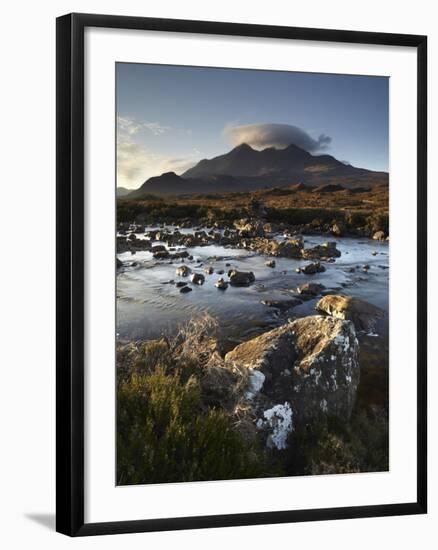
x=170 y=117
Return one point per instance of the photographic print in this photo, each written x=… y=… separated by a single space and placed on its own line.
x=252 y=273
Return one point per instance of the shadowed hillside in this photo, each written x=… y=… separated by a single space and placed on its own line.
x=245 y=169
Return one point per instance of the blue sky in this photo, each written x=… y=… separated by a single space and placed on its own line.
x=171 y=117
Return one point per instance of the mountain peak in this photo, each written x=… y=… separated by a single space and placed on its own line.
x=243 y=147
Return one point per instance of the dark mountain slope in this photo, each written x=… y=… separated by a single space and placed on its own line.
x=244 y=169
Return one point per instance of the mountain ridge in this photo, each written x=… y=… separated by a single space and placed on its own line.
x=244 y=169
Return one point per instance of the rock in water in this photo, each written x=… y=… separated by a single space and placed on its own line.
x=311 y=269
x=310 y=364
x=221 y=284
x=310 y=289
x=185 y=289
x=161 y=254
x=197 y=279
x=363 y=314
x=249 y=228
x=183 y=271
x=321 y=252
x=379 y=236
x=241 y=278
x=180 y=284
x=270 y=263
x=282 y=305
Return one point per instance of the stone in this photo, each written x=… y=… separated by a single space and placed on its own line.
x=379 y=236
x=312 y=268
x=311 y=289
x=221 y=284
x=249 y=228
x=322 y=251
x=363 y=314
x=241 y=278
x=183 y=271
x=270 y=263
x=161 y=254
x=310 y=363
x=185 y=289
x=197 y=279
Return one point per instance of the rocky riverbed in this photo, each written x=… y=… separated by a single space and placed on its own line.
x=150 y=301
x=300 y=335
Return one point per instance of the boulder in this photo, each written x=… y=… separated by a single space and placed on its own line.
x=209 y=270
x=290 y=248
x=379 y=236
x=161 y=254
x=181 y=254
x=183 y=271
x=312 y=268
x=185 y=289
x=197 y=279
x=221 y=284
x=321 y=252
x=119 y=263
x=363 y=314
x=310 y=289
x=270 y=263
x=270 y=228
x=309 y=365
x=241 y=278
x=249 y=228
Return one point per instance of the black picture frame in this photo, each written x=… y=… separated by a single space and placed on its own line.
x=70 y=273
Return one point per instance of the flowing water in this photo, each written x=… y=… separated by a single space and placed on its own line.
x=149 y=305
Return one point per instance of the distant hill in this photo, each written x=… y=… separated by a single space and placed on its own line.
x=122 y=191
x=244 y=169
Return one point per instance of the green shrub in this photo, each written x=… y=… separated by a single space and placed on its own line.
x=331 y=445
x=164 y=434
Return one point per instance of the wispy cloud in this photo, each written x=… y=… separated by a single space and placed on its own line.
x=136 y=163
x=280 y=136
x=131 y=127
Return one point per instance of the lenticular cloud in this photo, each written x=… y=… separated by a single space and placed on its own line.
x=260 y=136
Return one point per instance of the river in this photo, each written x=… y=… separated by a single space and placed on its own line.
x=149 y=305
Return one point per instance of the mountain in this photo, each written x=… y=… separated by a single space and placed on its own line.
x=244 y=169
x=243 y=160
x=122 y=191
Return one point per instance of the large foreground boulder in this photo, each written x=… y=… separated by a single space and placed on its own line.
x=306 y=368
x=363 y=314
